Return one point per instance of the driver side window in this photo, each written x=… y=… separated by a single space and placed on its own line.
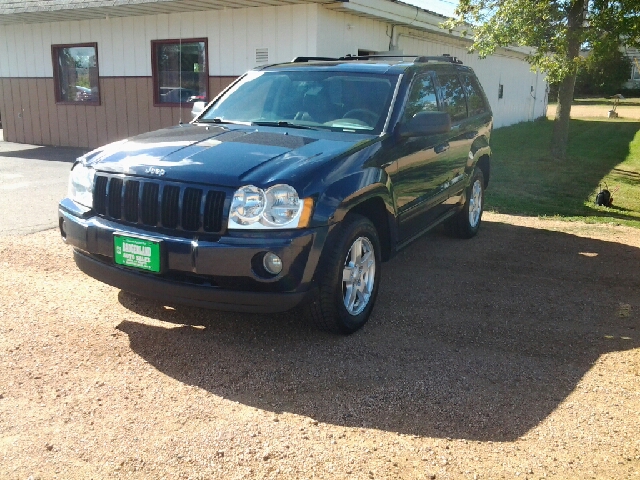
x=422 y=97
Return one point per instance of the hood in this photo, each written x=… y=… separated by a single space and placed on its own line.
x=219 y=155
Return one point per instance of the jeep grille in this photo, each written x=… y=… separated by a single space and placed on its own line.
x=159 y=204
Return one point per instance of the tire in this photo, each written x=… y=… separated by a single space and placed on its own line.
x=346 y=295
x=466 y=223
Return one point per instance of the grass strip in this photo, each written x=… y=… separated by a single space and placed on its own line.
x=525 y=180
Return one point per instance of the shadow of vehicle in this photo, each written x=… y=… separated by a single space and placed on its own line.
x=477 y=339
x=53 y=154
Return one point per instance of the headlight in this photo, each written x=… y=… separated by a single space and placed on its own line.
x=247 y=205
x=277 y=207
x=81 y=185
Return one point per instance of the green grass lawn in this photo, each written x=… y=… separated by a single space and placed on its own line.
x=525 y=180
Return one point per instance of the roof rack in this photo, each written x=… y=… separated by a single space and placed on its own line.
x=314 y=59
x=445 y=57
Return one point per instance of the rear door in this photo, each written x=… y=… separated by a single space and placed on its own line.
x=459 y=140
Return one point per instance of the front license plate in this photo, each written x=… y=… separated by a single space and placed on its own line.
x=136 y=253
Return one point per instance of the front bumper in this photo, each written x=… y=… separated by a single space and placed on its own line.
x=217 y=273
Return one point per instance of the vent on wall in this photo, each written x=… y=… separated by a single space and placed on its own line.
x=262 y=55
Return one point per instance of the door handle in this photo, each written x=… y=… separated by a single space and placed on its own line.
x=443 y=147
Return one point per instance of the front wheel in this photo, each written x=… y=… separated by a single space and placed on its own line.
x=466 y=223
x=348 y=278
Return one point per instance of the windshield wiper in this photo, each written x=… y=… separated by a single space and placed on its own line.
x=284 y=123
x=221 y=121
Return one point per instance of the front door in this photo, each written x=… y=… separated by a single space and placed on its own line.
x=422 y=164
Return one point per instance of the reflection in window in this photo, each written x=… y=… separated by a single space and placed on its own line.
x=76 y=73
x=475 y=99
x=422 y=98
x=180 y=73
x=453 y=97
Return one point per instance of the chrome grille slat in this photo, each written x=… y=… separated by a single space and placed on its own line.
x=159 y=204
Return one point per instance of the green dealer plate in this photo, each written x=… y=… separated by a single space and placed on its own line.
x=136 y=253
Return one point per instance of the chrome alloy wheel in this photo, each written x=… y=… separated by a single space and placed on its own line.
x=475 y=204
x=358 y=275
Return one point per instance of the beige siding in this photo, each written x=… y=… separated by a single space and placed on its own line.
x=124 y=44
x=30 y=114
x=341 y=34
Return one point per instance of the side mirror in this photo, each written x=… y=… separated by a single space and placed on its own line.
x=198 y=108
x=426 y=123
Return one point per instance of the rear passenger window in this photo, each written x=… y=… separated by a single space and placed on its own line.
x=475 y=100
x=453 y=97
x=422 y=97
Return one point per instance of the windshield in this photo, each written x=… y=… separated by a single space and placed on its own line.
x=342 y=101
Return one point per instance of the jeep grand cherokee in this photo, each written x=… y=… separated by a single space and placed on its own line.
x=291 y=187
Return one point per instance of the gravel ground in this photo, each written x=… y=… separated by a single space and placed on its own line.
x=512 y=355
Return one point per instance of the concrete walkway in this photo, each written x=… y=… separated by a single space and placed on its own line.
x=33 y=179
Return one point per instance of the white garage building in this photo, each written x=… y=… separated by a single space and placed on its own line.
x=87 y=72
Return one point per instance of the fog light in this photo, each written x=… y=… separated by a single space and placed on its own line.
x=272 y=263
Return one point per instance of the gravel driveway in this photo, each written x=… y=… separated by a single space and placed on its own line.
x=512 y=355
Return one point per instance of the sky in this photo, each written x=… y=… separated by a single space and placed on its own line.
x=443 y=7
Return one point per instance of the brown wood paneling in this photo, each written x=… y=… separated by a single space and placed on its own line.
x=92 y=127
x=43 y=111
x=101 y=117
x=52 y=112
x=214 y=87
x=72 y=122
x=2 y=105
x=154 y=112
x=126 y=109
x=110 y=106
x=80 y=112
x=8 y=115
x=17 y=109
x=142 y=100
x=121 y=108
x=166 y=116
x=225 y=82
x=34 y=110
x=130 y=94
x=23 y=87
x=63 y=125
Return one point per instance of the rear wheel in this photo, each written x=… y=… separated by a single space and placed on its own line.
x=348 y=278
x=466 y=223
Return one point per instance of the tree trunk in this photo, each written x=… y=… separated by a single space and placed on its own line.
x=560 y=137
x=565 y=92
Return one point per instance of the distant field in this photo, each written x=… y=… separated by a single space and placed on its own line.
x=599 y=107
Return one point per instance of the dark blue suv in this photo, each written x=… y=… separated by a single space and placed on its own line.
x=290 y=188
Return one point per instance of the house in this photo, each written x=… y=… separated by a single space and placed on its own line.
x=87 y=72
x=634 y=56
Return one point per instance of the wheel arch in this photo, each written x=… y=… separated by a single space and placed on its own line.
x=375 y=210
x=484 y=164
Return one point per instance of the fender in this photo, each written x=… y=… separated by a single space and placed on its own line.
x=343 y=195
x=479 y=149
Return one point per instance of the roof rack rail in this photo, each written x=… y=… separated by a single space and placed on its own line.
x=445 y=57
x=312 y=59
